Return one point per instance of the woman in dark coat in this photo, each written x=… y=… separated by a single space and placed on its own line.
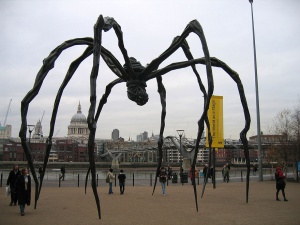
x=280 y=183
x=23 y=189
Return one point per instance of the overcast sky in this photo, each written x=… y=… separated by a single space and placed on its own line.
x=30 y=30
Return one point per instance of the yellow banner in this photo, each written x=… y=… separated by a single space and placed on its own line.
x=215 y=117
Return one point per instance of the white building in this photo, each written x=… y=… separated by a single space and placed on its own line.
x=78 y=127
x=5 y=132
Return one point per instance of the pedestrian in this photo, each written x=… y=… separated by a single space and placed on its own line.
x=122 y=178
x=280 y=183
x=196 y=174
x=23 y=190
x=111 y=178
x=181 y=175
x=228 y=166
x=170 y=172
x=254 y=169
x=181 y=171
x=205 y=172
x=225 y=173
x=63 y=171
x=163 y=179
x=11 y=182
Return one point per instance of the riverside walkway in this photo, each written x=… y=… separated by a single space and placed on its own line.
x=224 y=205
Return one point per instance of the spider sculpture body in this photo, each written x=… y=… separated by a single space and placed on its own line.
x=135 y=75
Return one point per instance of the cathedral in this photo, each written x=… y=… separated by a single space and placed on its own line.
x=78 y=127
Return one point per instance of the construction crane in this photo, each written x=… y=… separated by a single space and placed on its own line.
x=56 y=133
x=7 y=113
x=42 y=117
x=39 y=130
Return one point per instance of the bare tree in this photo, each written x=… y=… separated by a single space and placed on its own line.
x=284 y=146
x=296 y=135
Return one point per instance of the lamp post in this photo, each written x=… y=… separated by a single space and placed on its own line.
x=257 y=102
x=30 y=129
x=180 y=133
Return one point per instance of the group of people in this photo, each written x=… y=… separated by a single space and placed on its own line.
x=111 y=177
x=20 y=187
x=163 y=175
x=225 y=172
x=20 y=183
x=209 y=173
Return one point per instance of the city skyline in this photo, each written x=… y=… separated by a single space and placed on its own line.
x=31 y=30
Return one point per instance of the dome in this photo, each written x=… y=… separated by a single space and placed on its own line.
x=78 y=117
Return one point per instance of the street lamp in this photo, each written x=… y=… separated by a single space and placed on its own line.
x=30 y=129
x=180 y=133
x=257 y=102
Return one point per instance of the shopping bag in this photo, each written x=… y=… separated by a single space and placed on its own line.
x=7 y=191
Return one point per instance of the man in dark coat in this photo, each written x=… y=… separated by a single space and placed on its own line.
x=11 y=182
x=63 y=171
x=122 y=178
x=23 y=189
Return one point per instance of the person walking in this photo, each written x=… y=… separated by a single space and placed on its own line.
x=254 y=170
x=280 y=183
x=163 y=179
x=63 y=171
x=40 y=173
x=11 y=182
x=170 y=172
x=122 y=178
x=196 y=174
x=225 y=173
x=111 y=178
x=23 y=190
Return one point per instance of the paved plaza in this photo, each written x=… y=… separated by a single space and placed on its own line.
x=225 y=205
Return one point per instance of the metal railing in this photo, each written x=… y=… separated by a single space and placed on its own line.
x=76 y=178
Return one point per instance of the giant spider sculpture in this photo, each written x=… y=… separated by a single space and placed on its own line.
x=135 y=75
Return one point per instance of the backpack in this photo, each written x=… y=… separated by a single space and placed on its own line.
x=107 y=179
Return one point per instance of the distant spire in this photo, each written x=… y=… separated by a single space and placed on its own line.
x=79 y=108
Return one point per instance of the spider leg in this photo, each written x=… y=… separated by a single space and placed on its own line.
x=193 y=27
x=105 y=96
x=180 y=41
x=111 y=23
x=234 y=75
x=243 y=134
x=162 y=93
x=48 y=64
x=100 y=107
x=188 y=54
x=73 y=67
x=113 y=64
x=91 y=119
